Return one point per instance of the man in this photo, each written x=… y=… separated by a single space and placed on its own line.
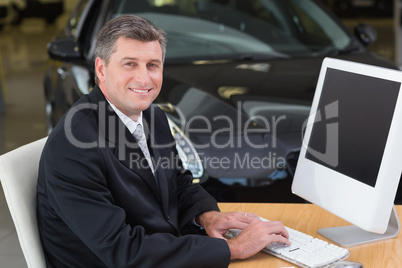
x=105 y=202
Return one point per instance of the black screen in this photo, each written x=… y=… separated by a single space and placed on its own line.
x=360 y=109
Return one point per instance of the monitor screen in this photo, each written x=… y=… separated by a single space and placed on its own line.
x=363 y=116
x=349 y=161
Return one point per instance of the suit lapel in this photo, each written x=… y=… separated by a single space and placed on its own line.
x=149 y=127
x=160 y=175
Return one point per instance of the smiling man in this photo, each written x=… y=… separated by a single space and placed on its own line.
x=132 y=78
x=96 y=209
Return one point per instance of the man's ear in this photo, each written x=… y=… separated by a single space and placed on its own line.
x=100 y=69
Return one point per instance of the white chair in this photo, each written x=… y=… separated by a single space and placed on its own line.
x=18 y=175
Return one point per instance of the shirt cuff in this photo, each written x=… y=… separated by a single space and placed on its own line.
x=196 y=224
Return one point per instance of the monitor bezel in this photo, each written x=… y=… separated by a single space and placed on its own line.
x=366 y=207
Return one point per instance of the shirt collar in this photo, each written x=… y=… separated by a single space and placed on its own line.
x=127 y=121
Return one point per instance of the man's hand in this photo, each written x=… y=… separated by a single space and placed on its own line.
x=255 y=235
x=216 y=224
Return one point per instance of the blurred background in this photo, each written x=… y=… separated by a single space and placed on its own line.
x=24 y=60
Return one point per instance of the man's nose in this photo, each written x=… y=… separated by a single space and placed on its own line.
x=141 y=75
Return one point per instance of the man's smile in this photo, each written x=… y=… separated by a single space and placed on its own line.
x=140 y=90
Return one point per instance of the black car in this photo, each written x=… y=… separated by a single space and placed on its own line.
x=239 y=78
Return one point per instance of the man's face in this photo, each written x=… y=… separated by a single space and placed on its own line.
x=133 y=77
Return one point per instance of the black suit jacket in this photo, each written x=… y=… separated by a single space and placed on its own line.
x=99 y=205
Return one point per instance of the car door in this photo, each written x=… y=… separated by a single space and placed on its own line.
x=68 y=78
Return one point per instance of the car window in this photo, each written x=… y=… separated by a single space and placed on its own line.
x=75 y=21
x=316 y=26
x=238 y=29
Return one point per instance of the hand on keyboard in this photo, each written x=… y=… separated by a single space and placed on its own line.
x=304 y=250
x=255 y=237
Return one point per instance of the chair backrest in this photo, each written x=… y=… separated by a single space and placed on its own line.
x=18 y=175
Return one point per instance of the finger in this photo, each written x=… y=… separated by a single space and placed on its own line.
x=240 y=220
x=276 y=227
x=250 y=215
x=281 y=239
x=217 y=235
x=246 y=217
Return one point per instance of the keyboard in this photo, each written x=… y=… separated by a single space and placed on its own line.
x=305 y=250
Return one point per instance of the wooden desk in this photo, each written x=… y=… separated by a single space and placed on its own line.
x=308 y=219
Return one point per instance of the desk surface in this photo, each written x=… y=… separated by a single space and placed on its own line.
x=309 y=218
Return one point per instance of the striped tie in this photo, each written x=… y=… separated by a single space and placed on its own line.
x=142 y=142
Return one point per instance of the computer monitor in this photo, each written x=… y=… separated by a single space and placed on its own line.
x=350 y=162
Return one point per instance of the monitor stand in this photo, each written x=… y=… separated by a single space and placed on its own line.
x=349 y=236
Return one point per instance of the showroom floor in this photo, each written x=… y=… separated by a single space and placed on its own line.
x=23 y=58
